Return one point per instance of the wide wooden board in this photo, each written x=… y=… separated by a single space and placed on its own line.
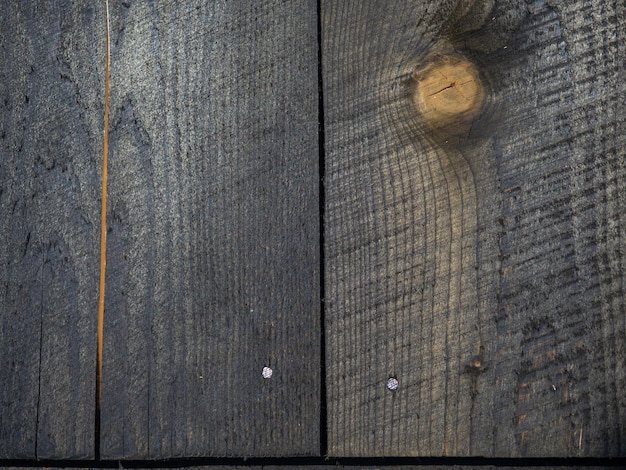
x=480 y=267
x=213 y=242
x=51 y=82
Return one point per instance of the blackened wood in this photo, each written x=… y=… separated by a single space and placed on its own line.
x=483 y=270
x=50 y=141
x=213 y=243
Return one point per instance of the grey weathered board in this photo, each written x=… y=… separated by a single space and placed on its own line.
x=213 y=230
x=51 y=82
x=504 y=245
x=213 y=242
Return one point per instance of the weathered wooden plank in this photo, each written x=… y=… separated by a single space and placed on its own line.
x=50 y=140
x=480 y=262
x=213 y=243
x=561 y=306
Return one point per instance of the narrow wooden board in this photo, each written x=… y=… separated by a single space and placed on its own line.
x=213 y=242
x=50 y=140
x=484 y=269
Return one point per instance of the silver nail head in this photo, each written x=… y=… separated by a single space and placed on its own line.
x=267 y=372
x=392 y=384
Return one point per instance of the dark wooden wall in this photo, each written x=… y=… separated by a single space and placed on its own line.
x=482 y=267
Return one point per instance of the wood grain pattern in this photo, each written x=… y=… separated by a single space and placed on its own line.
x=213 y=243
x=483 y=270
x=50 y=136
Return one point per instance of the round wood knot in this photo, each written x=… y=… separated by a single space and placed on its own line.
x=448 y=93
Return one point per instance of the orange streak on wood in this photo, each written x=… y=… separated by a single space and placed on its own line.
x=103 y=224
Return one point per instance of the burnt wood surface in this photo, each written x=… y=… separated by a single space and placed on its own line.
x=482 y=267
x=50 y=140
x=213 y=242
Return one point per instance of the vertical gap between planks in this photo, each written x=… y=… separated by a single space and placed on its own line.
x=322 y=205
x=41 y=298
x=103 y=237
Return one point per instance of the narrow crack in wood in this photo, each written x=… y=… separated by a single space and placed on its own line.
x=103 y=234
x=452 y=85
